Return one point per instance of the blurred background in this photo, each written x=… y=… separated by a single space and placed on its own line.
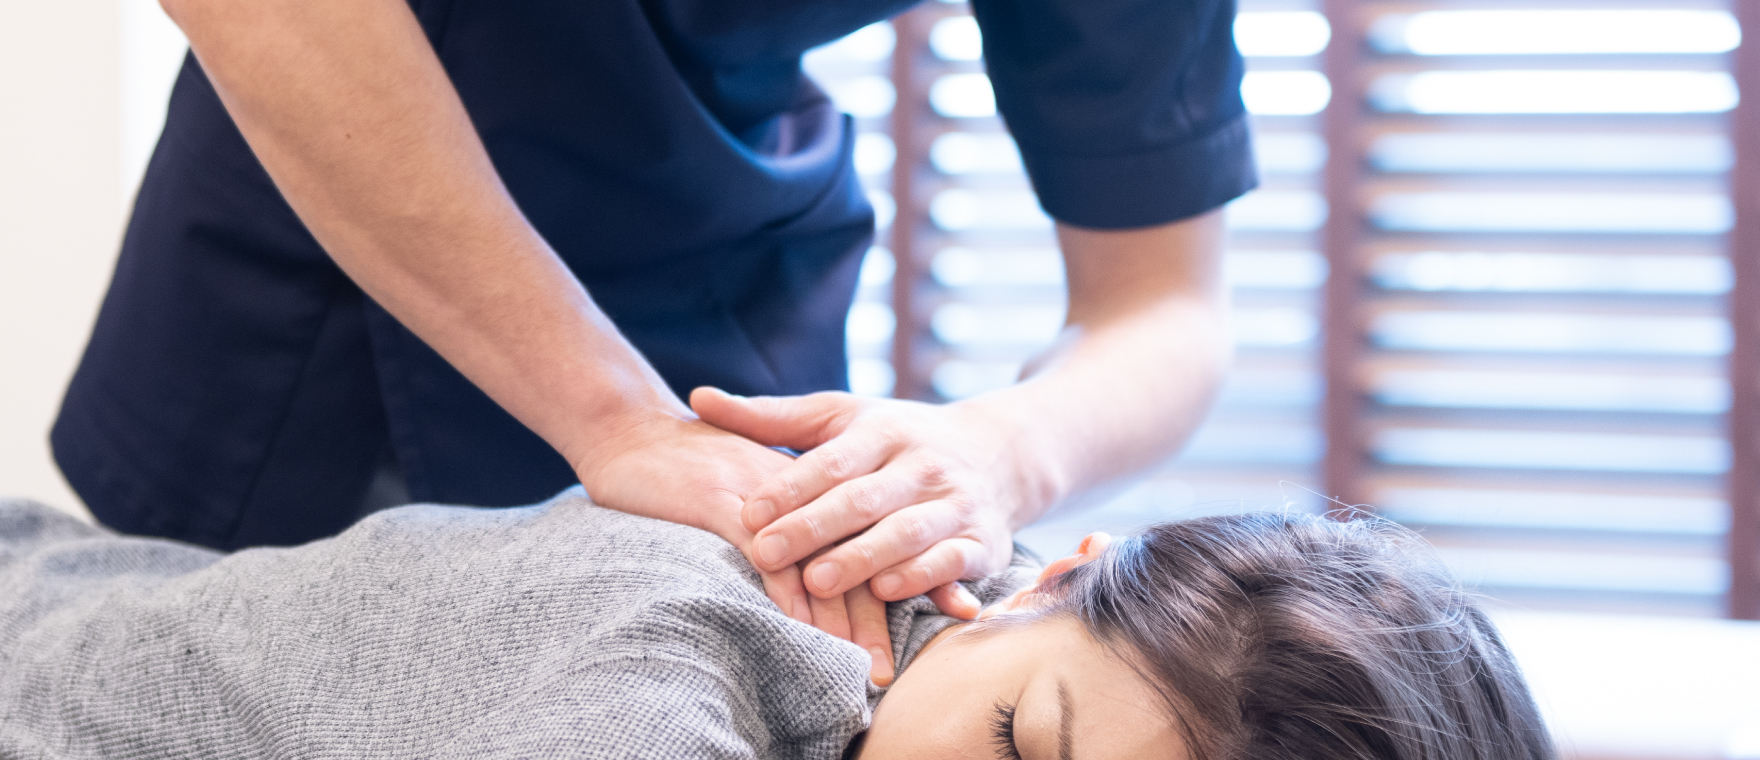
x=1485 y=289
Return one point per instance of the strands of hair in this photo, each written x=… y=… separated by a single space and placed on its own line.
x=1294 y=636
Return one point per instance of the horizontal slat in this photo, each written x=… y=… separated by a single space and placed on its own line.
x=1700 y=515
x=1550 y=450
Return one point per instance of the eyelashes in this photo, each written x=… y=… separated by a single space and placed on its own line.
x=1002 y=732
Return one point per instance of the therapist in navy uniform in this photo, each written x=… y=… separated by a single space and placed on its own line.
x=500 y=244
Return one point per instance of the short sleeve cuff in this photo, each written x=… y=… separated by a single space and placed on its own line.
x=1148 y=188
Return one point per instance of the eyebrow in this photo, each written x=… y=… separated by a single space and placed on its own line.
x=1065 y=745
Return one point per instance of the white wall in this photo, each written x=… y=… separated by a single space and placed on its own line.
x=82 y=90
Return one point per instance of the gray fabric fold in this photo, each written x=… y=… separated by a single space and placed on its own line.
x=557 y=630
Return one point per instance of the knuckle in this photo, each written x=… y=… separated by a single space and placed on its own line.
x=915 y=529
x=864 y=555
x=813 y=528
x=788 y=489
x=836 y=463
x=889 y=437
x=933 y=472
x=864 y=502
x=925 y=574
x=964 y=508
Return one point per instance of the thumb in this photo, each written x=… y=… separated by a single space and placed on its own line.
x=954 y=600
x=797 y=422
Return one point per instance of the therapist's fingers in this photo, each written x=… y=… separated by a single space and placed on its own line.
x=797 y=422
x=955 y=601
x=943 y=563
x=896 y=538
x=785 y=589
x=867 y=622
x=831 y=616
x=844 y=510
x=811 y=477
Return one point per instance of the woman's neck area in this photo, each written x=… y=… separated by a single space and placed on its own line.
x=940 y=637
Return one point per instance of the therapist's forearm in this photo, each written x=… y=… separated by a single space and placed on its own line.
x=1136 y=369
x=348 y=108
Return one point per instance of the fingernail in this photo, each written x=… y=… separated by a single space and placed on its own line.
x=966 y=597
x=887 y=585
x=881 y=670
x=803 y=610
x=826 y=575
x=760 y=513
x=773 y=549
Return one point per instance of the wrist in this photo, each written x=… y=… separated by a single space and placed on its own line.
x=1033 y=476
x=603 y=433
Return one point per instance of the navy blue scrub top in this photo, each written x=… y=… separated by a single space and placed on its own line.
x=238 y=389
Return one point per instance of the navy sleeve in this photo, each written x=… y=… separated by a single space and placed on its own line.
x=1128 y=113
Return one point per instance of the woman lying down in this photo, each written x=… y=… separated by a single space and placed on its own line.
x=566 y=630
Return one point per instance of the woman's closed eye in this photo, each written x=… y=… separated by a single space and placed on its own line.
x=1002 y=732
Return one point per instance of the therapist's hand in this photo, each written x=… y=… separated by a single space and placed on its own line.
x=687 y=472
x=924 y=494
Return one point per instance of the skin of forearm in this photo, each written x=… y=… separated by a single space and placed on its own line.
x=1138 y=363
x=351 y=113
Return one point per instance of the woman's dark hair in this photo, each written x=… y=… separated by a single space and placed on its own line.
x=1294 y=636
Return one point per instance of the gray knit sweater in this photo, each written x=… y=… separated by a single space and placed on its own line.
x=558 y=630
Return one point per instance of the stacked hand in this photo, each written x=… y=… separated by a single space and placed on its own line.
x=905 y=496
x=891 y=499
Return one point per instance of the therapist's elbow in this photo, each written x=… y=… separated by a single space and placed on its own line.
x=234 y=18
x=184 y=12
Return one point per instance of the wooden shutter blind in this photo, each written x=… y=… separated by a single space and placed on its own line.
x=1484 y=286
x=1527 y=329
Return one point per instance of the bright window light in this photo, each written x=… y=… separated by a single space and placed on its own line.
x=962 y=267
x=963 y=96
x=1540 y=32
x=1275 y=270
x=1542 y=332
x=958 y=210
x=1553 y=390
x=1281 y=33
x=1557 y=570
x=1286 y=93
x=957 y=153
x=869 y=324
x=1543 y=91
x=874 y=153
x=864 y=97
x=1289 y=152
x=871 y=377
x=869 y=44
x=1262 y=443
x=877 y=268
x=1680 y=213
x=1277 y=211
x=957 y=39
x=884 y=207
x=1561 y=152
x=1547 y=450
x=961 y=324
x=958 y=378
x=1676 y=515
x=1274 y=327
x=1513 y=272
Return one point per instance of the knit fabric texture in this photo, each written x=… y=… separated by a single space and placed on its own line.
x=557 y=630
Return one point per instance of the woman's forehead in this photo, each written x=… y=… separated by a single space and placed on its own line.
x=1096 y=704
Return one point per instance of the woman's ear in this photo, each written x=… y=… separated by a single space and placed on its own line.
x=1087 y=551
x=1031 y=597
